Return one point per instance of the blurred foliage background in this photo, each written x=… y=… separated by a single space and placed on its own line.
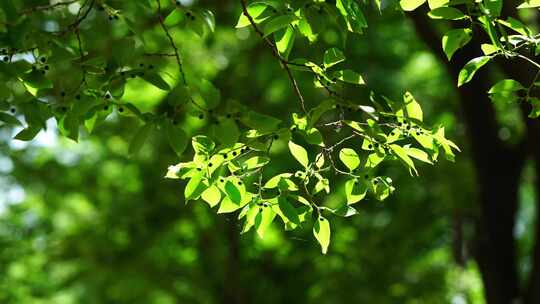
x=84 y=223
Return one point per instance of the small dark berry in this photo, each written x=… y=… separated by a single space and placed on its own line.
x=234 y=153
x=201 y=116
x=199 y=169
x=6 y=59
x=46 y=68
x=43 y=72
x=366 y=176
x=370 y=146
x=321 y=219
x=120 y=109
x=13 y=110
x=106 y=108
x=210 y=165
x=43 y=59
x=225 y=156
x=111 y=18
x=221 y=180
x=239 y=183
x=276 y=137
x=116 y=17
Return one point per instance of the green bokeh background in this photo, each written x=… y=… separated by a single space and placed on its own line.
x=85 y=223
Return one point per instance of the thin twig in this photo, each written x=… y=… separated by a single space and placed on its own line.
x=275 y=52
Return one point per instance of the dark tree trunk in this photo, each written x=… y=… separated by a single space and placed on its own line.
x=498 y=169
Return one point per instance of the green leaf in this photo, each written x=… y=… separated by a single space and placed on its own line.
x=140 y=137
x=321 y=231
x=413 y=108
x=274 y=181
x=177 y=138
x=529 y=4
x=260 y=122
x=467 y=73
x=355 y=190
x=285 y=41
x=354 y=19
x=515 y=25
x=202 y=145
x=345 y=211
x=256 y=11
x=212 y=196
x=349 y=76
x=316 y=113
x=403 y=156
x=489 y=49
x=28 y=134
x=156 y=80
x=226 y=131
x=535 y=111
x=299 y=153
x=9 y=119
x=506 y=85
x=277 y=23
x=455 y=39
x=418 y=154
x=350 y=158
x=433 y=4
x=233 y=193
x=493 y=7
x=411 y=5
x=228 y=206
x=192 y=188
x=332 y=57
x=255 y=162
x=263 y=220
x=447 y=13
x=288 y=210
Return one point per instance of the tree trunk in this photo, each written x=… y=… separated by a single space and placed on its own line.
x=498 y=170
